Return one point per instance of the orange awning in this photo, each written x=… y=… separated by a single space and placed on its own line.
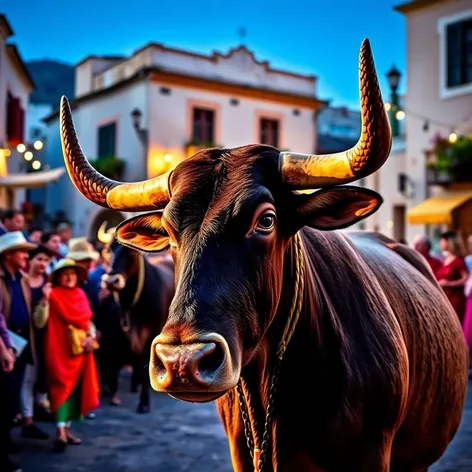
x=437 y=210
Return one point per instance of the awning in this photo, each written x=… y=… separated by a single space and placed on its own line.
x=31 y=180
x=437 y=210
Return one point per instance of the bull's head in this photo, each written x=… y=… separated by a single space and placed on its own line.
x=124 y=265
x=124 y=260
x=228 y=216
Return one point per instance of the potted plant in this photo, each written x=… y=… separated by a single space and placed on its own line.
x=194 y=145
x=454 y=159
x=112 y=167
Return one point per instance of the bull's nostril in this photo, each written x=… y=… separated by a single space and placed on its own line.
x=158 y=364
x=210 y=363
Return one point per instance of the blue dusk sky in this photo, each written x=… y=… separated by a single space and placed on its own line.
x=320 y=37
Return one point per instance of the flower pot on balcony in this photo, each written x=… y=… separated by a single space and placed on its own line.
x=112 y=167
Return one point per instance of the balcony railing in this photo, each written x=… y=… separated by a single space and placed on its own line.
x=460 y=174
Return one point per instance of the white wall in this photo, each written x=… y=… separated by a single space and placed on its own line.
x=170 y=121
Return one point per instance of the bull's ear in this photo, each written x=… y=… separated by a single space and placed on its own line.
x=144 y=233
x=337 y=208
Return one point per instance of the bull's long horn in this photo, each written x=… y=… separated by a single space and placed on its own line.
x=135 y=196
x=304 y=171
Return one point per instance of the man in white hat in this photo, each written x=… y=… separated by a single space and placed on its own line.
x=16 y=309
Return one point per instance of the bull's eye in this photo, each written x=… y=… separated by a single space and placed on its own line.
x=266 y=222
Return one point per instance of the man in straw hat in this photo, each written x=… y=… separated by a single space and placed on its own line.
x=16 y=308
x=82 y=252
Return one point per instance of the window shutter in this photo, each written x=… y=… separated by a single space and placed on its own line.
x=203 y=126
x=468 y=51
x=454 y=54
x=21 y=124
x=107 y=140
x=15 y=121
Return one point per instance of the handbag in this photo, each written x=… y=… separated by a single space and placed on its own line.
x=78 y=336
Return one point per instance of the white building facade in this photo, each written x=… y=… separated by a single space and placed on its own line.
x=183 y=101
x=16 y=86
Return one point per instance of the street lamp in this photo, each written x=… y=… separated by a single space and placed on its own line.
x=136 y=116
x=143 y=135
x=394 y=76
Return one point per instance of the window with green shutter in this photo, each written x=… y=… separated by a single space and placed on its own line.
x=107 y=140
x=459 y=53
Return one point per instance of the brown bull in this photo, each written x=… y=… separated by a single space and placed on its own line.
x=326 y=351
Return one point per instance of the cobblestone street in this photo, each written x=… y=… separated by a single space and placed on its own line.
x=175 y=436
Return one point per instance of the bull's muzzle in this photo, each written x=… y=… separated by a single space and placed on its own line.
x=197 y=371
x=114 y=282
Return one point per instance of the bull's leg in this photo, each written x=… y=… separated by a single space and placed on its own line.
x=143 y=405
x=136 y=374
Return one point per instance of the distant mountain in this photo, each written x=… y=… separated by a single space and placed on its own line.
x=52 y=79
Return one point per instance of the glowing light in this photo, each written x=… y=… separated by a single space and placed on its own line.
x=388 y=106
x=168 y=157
x=5 y=152
x=28 y=155
x=36 y=165
x=21 y=148
x=400 y=115
x=452 y=137
x=38 y=145
x=390 y=224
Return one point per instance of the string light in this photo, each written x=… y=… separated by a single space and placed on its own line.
x=401 y=114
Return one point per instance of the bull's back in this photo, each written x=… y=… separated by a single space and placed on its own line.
x=438 y=360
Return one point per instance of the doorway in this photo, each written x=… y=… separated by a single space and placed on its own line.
x=399 y=222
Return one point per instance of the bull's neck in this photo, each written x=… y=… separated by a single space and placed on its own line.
x=304 y=324
x=258 y=374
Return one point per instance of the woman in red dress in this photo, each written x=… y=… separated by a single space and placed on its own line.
x=453 y=274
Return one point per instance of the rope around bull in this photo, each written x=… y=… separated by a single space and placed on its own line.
x=126 y=323
x=257 y=449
